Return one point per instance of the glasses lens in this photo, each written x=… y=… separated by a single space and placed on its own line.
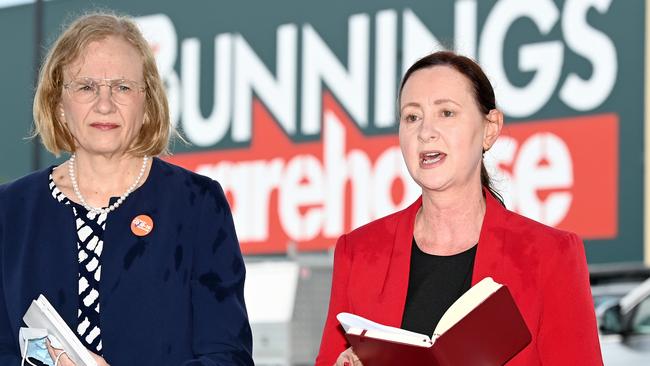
x=124 y=91
x=86 y=90
x=83 y=90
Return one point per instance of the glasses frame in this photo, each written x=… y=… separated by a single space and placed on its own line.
x=110 y=83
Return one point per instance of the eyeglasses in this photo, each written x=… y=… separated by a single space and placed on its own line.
x=86 y=90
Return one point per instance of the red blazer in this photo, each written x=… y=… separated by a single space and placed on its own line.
x=544 y=269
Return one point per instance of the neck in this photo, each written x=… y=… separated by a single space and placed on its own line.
x=450 y=222
x=99 y=177
x=108 y=172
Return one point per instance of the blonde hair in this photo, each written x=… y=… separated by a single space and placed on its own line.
x=156 y=130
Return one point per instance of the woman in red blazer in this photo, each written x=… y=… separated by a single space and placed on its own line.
x=396 y=269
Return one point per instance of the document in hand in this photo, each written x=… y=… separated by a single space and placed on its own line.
x=41 y=314
x=483 y=327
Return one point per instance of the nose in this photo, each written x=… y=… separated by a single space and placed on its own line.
x=104 y=103
x=428 y=130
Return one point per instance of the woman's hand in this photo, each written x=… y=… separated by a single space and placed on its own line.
x=348 y=358
x=64 y=360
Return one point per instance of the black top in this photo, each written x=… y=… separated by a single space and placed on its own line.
x=435 y=282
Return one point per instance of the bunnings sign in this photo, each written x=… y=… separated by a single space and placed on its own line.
x=291 y=106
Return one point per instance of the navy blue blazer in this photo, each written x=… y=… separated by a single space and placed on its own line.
x=174 y=297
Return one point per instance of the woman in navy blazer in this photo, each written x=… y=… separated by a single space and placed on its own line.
x=139 y=256
x=448 y=119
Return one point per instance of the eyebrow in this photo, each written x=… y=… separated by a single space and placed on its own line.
x=435 y=102
x=411 y=104
x=445 y=100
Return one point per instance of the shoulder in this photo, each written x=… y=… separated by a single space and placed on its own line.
x=178 y=179
x=25 y=197
x=384 y=229
x=548 y=238
x=179 y=176
x=387 y=222
x=524 y=224
x=28 y=184
x=523 y=237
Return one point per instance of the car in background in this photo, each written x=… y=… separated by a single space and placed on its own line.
x=622 y=304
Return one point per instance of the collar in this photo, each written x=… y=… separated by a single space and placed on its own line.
x=488 y=261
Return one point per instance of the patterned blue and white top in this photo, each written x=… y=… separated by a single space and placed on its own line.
x=90 y=233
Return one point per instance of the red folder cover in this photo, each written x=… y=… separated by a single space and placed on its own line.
x=491 y=334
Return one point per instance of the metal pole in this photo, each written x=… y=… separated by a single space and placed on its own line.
x=38 y=55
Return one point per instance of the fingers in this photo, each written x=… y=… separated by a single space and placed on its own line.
x=343 y=360
x=59 y=356
x=99 y=359
x=348 y=358
x=64 y=360
x=50 y=350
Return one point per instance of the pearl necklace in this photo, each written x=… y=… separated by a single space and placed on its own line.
x=116 y=204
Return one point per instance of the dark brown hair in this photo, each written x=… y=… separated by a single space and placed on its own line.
x=481 y=86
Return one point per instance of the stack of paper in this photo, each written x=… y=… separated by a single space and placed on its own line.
x=41 y=314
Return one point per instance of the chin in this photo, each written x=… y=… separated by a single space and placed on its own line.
x=432 y=186
x=103 y=151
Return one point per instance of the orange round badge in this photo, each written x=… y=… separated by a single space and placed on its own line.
x=142 y=225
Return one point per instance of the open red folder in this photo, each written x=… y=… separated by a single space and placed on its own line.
x=483 y=327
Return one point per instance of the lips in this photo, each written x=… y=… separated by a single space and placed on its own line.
x=431 y=158
x=104 y=126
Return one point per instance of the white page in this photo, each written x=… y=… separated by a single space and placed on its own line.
x=348 y=321
x=466 y=303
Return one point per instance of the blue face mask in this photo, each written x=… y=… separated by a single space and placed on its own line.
x=33 y=347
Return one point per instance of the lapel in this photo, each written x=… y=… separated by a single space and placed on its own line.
x=120 y=242
x=395 y=284
x=61 y=283
x=489 y=254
